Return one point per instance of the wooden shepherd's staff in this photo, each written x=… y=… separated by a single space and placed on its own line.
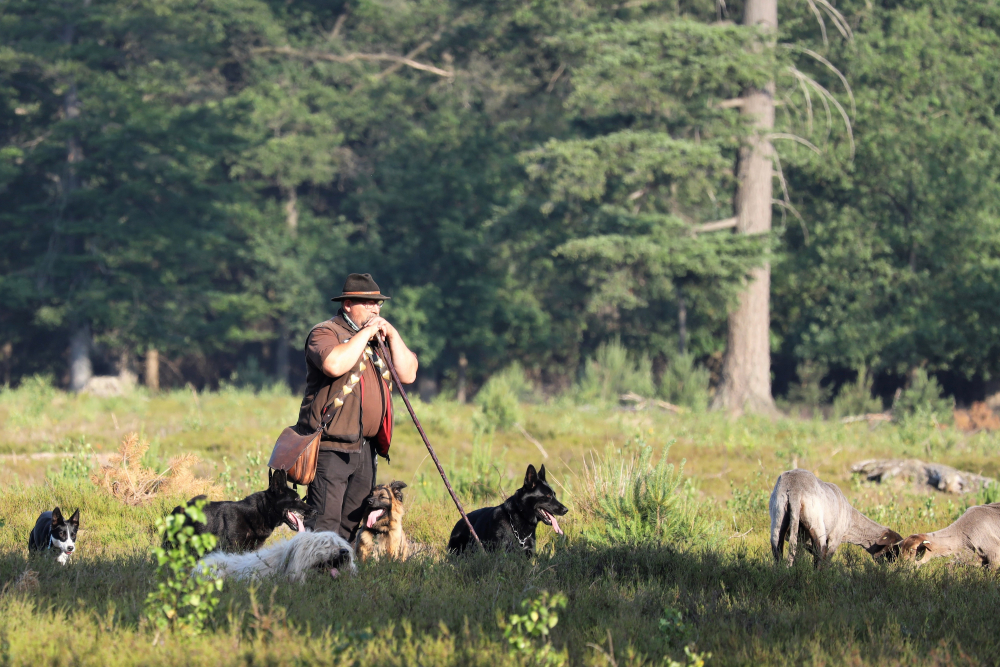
x=416 y=422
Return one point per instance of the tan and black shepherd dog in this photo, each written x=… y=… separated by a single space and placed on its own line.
x=381 y=531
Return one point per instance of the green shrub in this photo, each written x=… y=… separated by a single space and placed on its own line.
x=922 y=401
x=500 y=400
x=528 y=633
x=77 y=464
x=613 y=371
x=855 y=398
x=685 y=383
x=184 y=598
x=631 y=501
x=29 y=401
x=808 y=391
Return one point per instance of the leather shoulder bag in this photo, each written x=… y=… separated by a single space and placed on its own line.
x=297 y=454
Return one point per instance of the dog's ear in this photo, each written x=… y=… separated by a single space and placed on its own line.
x=530 y=477
x=541 y=473
x=75 y=519
x=57 y=517
x=397 y=490
x=278 y=479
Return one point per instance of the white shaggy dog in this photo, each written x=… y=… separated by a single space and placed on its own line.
x=292 y=558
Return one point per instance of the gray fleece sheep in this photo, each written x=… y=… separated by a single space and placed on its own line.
x=803 y=505
x=977 y=531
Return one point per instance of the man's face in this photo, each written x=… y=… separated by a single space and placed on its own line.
x=362 y=310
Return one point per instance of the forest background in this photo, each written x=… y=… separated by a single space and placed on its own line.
x=184 y=185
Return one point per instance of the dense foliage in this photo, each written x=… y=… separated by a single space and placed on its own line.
x=527 y=179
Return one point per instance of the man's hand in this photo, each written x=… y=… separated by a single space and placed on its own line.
x=402 y=358
x=379 y=325
x=343 y=357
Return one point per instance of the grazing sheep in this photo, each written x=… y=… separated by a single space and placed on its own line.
x=977 y=530
x=802 y=503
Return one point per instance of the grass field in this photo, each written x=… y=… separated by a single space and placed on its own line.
x=708 y=587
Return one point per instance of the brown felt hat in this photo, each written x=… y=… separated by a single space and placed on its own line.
x=360 y=286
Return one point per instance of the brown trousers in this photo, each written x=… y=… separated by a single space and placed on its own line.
x=342 y=483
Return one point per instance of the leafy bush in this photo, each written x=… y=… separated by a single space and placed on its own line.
x=76 y=465
x=685 y=383
x=855 y=398
x=500 y=400
x=184 y=598
x=808 y=391
x=922 y=401
x=528 y=633
x=613 y=371
x=630 y=501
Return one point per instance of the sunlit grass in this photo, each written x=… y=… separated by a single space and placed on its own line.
x=733 y=602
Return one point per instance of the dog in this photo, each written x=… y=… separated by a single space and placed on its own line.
x=292 y=558
x=511 y=526
x=381 y=530
x=244 y=525
x=52 y=531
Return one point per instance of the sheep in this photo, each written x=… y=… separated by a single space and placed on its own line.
x=801 y=502
x=977 y=530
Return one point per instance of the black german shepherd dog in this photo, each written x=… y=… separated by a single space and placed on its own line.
x=512 y=525
x=244 y=525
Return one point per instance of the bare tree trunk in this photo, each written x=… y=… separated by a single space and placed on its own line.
x=291 y=212
x=7 y=355
x=746 y=369
x=80 y=369
x=152 y=374
x=463 y=364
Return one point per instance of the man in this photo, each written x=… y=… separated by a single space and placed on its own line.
x=347 y=374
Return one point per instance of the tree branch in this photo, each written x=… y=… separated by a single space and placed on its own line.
x=728 y=223
x=351 y=57
x=731 y=104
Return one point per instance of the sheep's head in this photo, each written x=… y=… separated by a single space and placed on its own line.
x=887 y=546
x=916 y=548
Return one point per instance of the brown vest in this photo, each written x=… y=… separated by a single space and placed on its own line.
x=341 y=394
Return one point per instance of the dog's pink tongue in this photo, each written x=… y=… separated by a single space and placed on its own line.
x=555 y=524
x=373 y=517
x=334 y=572
x=294 y=518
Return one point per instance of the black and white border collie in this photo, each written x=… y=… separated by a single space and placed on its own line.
x=51 y=531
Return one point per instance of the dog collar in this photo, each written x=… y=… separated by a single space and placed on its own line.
x=514 y=530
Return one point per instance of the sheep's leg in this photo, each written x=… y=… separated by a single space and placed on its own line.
x=818 y=535
x=779 y=531
x=793 y=532
x=831 y=547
